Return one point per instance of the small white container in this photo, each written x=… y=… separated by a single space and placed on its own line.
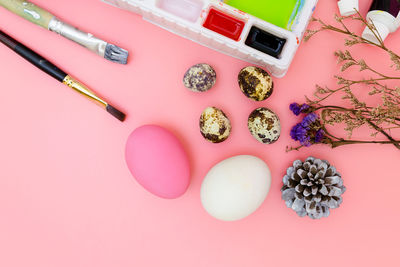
x=385 y=16
x=187 y=17
x=348 y=7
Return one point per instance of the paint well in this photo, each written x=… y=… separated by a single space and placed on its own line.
x=186 y=9
x=224 y=24
x=265 y=42
x=279 y=13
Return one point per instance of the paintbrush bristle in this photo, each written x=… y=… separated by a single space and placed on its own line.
x=116 y=54
x=115 y=112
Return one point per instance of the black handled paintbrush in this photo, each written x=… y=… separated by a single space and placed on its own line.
x=57 y=73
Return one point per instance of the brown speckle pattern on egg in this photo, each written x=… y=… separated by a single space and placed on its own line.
x=215 y=125
x=264 y=125
x=255 y=83
x=200 y=78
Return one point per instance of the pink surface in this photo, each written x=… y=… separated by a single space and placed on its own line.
x=158 y=161
x=68 y=199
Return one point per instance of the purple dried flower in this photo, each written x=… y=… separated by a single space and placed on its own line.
x=304 y=108
x=308 y=131
x=306 y=142
x=319 y=135
x=298 y=132
x=295 y=108
x=309 y=120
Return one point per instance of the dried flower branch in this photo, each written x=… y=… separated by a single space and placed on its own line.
x=381 y=118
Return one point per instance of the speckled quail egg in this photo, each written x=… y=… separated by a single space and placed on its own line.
x=214 y=125
x=255 y=83
x=264 y=125
x=200 y=78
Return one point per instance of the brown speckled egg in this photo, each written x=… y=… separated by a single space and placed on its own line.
x=264 y=125
x=215 y=125
x=255 y=83
x=200 y=78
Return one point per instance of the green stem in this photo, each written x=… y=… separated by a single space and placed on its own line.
x=384 y=77
x=288 y=149
x=331 y=107
x=335 y=144
x=330 y=135
x=379 y=129
x=376 y=127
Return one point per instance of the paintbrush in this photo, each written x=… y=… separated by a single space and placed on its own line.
x=57 y=73
x=48 y=21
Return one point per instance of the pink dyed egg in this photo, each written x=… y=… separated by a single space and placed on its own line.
x=158 y=161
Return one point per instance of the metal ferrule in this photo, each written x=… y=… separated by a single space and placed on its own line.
x=85 y=39
x=82 y=89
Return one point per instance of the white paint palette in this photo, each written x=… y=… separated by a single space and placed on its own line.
x=227 y=29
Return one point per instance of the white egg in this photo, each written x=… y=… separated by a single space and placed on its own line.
x=235 y=187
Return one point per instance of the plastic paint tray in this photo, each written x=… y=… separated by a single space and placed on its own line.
x=226 y=29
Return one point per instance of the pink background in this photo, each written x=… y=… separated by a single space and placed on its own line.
x=67 y=198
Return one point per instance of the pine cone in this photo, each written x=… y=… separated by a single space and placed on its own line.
x=312 y=188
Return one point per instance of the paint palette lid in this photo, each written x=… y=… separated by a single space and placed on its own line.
x=348 y=7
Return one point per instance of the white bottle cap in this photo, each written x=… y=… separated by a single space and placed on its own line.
x=381 y=28
x=348 y=7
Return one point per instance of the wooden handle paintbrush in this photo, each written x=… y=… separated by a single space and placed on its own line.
x=48 y=21
x=57 y=73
